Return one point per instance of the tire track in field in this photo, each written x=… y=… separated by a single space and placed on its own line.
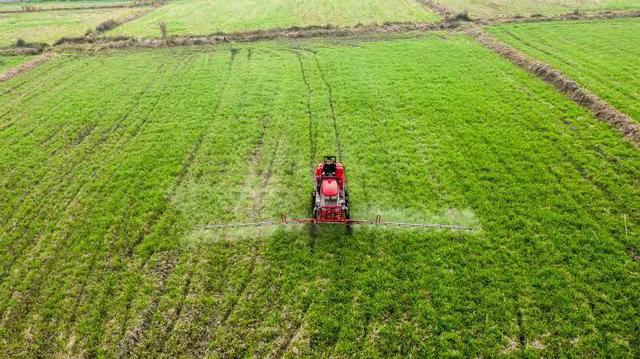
x=336 y=132
x=312 y=129
x=66 y=175
x=135 y=336
x=40 y=208
x=258 y=207
x=161 y=342
x=130 y=340
x=42 y=75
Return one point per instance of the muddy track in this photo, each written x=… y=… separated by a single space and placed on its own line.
x=336 y=132
x=312 y=128
x=31 y=64
x=582 y=97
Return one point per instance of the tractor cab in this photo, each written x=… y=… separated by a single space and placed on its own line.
x=329 y=200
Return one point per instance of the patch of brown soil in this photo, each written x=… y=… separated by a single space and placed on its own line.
x=33 y=63
x=601 y=109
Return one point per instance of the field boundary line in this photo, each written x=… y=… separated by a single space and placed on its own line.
x=94 y=44
x=107 y=25
x=31 y=64
x=74 y=8
x=124 y=42
x=587 y=16
x=572 y=90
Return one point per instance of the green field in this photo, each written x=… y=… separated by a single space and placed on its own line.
x=50 y=26
x=600 y=55
x=110 y=166
x=209 y=16
x=60 y=4
x=8 y=62
x=493 y=9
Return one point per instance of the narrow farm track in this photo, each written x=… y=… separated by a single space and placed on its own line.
x=33 y=63
x=32 y=93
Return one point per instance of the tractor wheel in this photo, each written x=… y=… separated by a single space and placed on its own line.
x=313 y=203
x=347 y=227
x=313 y=229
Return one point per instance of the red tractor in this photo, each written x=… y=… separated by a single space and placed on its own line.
x=330 y=199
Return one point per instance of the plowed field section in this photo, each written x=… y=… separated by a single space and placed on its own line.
x=107 y=180
x=600 y=55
